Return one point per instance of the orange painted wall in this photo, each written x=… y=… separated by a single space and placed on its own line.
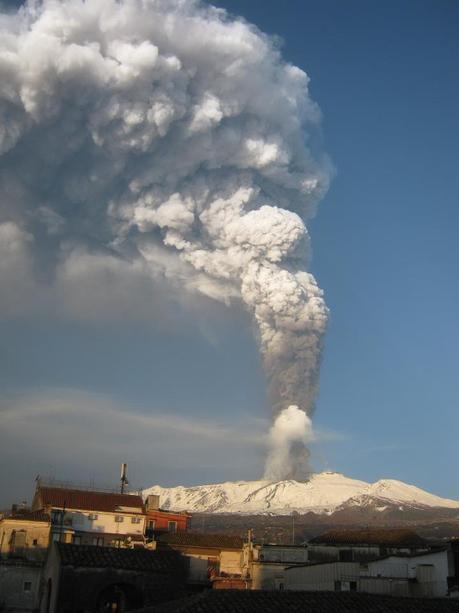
x=162 y=519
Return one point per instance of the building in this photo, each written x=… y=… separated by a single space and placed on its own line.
x=24 y=534
x=87 y=517
x=263 y=565
x=80 y=578
x=362 y=545
x=226 y=562
x=20 y=581
x=423 y=575
x=159 y=520
x=24 y=539
x=211 y=556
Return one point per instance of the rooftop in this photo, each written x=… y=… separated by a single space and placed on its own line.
x=128 y=559
x=396 y=537
x=252 y=601
x=194 y=539
x=86 y=500
x=27 y=515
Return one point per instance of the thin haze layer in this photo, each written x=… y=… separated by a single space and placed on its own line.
x=163 y=135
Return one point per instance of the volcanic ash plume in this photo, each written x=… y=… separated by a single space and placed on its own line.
x=164 y=138
x=288 y=439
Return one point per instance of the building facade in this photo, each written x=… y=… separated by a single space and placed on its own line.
x=211 y=556
x=20 y=585
x=422 y=575
x=363 y=545
x=159 y=520
x=24 y=534
x=263 y=565
x=86 y=517
x=24 y=540
x=80 y=578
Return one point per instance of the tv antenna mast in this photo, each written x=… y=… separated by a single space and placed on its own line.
x=123 y=479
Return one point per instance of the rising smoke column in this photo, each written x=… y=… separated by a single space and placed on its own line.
x=165 y=135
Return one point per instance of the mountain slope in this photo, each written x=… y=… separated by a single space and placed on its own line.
x=323 y=493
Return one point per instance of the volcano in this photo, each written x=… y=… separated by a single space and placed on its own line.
x=323 y=493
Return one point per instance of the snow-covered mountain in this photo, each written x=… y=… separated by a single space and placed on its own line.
x=323 y=493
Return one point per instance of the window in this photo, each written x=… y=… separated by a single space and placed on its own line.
x=346 y=555
x=98 y=541
x=35 y=542
x=93 y=516
x=135 y=520
x=18 y=541
x=119 y=519
x=150 y=531
x=172 y=526
x=56 y=517
x=27 y=586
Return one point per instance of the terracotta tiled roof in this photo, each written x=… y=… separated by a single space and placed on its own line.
x=87 y=500
x=256 y=601
x=396 y=537
x=112 y=557
x=191 y=539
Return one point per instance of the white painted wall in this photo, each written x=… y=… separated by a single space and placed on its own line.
x=387 y=576
x=400 y=567
x=321 y=577
x=104 y=523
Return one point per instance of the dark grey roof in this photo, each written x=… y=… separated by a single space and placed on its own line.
x=390 y=537
x=113 y=557
x=253 y=601
x=196 y=539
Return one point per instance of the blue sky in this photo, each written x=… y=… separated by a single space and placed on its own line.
x=385 y=75
x=385 y=251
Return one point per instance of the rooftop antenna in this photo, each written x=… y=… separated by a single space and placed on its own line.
x=124 y=479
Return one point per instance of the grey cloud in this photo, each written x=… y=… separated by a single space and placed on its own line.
x=71 y=433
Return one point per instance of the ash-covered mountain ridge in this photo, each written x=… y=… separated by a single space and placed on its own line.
x=323 y=493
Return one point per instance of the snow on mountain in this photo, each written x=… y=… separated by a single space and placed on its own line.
x=322 y=493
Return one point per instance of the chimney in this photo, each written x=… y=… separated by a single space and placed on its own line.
x=152 y=502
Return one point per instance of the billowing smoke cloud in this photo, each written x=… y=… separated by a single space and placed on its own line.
x=164 y=138
x=288 y=439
